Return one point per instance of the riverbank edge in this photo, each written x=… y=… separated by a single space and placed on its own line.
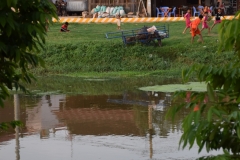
x=127 y=74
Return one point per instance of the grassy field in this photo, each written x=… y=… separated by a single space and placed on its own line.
x=85 y=51
x=96 y=32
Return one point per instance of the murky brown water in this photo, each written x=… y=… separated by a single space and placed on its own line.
x=126 y=126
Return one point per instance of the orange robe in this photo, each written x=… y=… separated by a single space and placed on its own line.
x=194 y=27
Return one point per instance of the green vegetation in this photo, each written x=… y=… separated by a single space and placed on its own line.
x=191 y=86
x=96 y=86
x=214 y=122
x=23 y=27
x=85 y=52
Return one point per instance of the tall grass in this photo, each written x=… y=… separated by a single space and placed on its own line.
x=85 y=49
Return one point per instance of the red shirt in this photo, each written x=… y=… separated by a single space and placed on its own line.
x=64 y=26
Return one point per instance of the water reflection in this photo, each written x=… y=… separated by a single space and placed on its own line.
x=150 y=129
x=17 y=118
x=42 y=117
x=131 y=125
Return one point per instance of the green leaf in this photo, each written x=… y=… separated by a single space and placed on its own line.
x=210 y=92
x=14 y=2
x=190 y=119
x=9 y=3
x=42 y=63
x=8 y=31
x=234 y=71
x=209 y=114
x=207 y=146
x=220 y=71
x=191 y=138
x=216 y=111
x=184 y=75
x=3 y=126
x=201 y=146
x=14 y=124
x=227 y=85
x=10 y=21
x=238 y=132
x=1 y=102
x=198 y=115
x=212 y=135
x=226 y=152
x=203 y=73
x=17 y=58
x=2 y=20
x=16 y=86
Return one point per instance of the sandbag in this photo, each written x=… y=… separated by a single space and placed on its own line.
x=114 y=11
x=93 y=11
x=120 y=8
x=122 y=12
x=105 y=14
x=103 y=9
x=117 y=13
x=152 y=29
x=111 y=10
x=108 y=9
x=98 y=8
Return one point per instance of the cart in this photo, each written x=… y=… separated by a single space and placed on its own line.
x=141 y=35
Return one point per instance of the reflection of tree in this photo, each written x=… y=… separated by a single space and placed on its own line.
x=94 y=86
x=17 y=118
x=141 y=118
x=161 y=126
x=164 y=126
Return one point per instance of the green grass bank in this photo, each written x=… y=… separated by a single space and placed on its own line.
x=85 y=51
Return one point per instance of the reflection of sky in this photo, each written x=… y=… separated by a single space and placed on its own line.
x=60 y=146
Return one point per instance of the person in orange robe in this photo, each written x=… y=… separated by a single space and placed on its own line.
x=194 y=28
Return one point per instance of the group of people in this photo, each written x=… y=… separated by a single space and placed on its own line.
x=61 y=7
x=193 y=25
x=205 y=9
x=221 y=6
x=165 y=10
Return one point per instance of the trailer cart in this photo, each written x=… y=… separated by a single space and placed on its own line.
x=141 y=35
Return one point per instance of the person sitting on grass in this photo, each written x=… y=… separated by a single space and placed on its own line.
x=64 y=27
x=194 y=28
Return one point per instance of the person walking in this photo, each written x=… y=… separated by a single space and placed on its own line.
x=118 y=22
x=205 y=23
x=194 y=28
x=218 y=18
x=187 y=20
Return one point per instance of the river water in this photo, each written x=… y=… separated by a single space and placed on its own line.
x=93 y=119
